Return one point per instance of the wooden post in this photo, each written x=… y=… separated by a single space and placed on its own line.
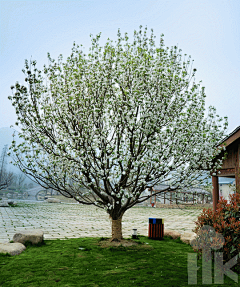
x=215 y=192
x=151 y=196
x=193 y=198
x=164 y=200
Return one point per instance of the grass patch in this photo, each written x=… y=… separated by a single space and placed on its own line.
x=95 y=262
x=29 y=243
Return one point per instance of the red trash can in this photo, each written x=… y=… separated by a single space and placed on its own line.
x=156 y=228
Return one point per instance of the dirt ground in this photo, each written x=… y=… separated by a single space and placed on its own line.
x=105 y=243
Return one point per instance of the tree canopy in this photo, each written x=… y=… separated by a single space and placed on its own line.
x=104 y=126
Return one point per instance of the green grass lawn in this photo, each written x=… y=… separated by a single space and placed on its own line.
x=83 y=262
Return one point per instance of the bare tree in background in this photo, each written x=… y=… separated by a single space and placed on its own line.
x=19 y=179
x=6 y=177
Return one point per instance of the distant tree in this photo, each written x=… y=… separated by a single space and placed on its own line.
x=6 y=177
x=30 y=185
x=19 y=180
x=103 y=127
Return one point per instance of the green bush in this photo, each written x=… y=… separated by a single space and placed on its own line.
x=226 y=221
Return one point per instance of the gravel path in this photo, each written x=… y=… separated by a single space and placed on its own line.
x=71 y=220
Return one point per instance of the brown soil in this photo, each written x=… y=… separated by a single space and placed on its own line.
x=123 y=242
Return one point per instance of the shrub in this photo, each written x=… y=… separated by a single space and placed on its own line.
x=226 y=221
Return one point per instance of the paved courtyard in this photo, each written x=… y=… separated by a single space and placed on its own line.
x=72 y=220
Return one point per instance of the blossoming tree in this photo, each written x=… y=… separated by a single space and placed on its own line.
x=103 y=127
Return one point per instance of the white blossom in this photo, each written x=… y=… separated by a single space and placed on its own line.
x=105 y=126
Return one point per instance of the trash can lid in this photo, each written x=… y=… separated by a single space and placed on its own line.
x=156 y=220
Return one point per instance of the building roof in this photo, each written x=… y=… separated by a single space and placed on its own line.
x=225 y=180
x=234 y=135
x=161 y=187
x=195 y=190
x=222 y=180
x=187 y=190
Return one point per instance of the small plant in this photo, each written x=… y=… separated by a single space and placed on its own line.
x=226 y=221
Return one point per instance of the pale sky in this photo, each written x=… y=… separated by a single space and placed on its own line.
x=208 y=30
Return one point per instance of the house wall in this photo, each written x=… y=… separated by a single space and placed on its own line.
x=225 y=190
x=231 y=159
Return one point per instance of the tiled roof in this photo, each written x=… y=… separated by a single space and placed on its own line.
x=231 y=134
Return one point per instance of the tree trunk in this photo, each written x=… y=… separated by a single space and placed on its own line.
x=117 y=229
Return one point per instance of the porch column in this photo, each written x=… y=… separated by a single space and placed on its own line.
x=215 y=192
